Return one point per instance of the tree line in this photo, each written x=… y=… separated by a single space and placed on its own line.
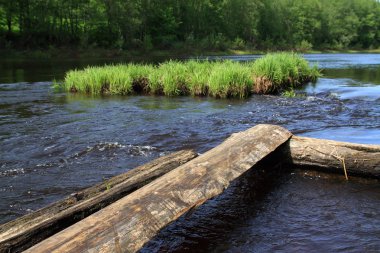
x=181 y=24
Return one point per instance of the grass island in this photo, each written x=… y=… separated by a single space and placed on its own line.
x=270 y=74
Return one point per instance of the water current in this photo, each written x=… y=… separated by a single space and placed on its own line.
x=52 y=144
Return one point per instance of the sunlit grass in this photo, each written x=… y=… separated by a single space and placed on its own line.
x=279 y=71
x=198 y=77
x=270 y=74
x=230 y=79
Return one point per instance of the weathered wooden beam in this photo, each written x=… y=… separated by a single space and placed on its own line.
x=126 y=225
x=333 y=156
x=30 y=229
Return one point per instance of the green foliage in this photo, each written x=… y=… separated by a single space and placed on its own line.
x=289 y=93
x=222 y=79
x=204 y=24
x=56 y=86
x=148 y=45
x=198 y=77
x=230 y=79
x=238 y=43
x=275 y=72
x=304 y=46
x=174 y=78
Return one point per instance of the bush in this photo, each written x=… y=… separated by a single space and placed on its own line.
x=304 y=46
x=238 y=43
x=279 y=71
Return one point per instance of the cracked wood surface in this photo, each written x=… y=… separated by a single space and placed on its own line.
x=30 y=229
x=127 y=224
x=330 y=156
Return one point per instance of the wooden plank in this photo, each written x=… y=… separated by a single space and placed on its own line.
x=130 y=222
x=30 y=229
x=334 y=156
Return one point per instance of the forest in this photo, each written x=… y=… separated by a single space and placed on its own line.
x=178 y=24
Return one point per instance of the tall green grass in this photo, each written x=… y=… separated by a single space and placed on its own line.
x=279 y=71
x=270 y=74
x=230 y=79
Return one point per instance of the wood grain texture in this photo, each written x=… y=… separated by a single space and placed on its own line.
x=30 y=229
x=126 y=225
x=329 y=156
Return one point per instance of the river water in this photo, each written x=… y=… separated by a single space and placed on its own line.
x=52 y=144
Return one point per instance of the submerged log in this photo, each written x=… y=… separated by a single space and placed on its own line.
x=334 y=156
x=126 y=225
x=30 y=229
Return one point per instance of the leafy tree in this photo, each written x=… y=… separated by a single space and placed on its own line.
x=212 y=24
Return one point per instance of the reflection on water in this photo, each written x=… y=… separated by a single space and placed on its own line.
x=363 y=75
x=163 y=103
x=15 y=70
x=52 y=144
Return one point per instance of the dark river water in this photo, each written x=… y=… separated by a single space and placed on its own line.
x=52 y=144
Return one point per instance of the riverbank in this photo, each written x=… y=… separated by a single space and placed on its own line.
x=69 y=53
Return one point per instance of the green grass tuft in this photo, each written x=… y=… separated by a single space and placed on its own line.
x=270 y=74
x=230 y=79
x=276 y=72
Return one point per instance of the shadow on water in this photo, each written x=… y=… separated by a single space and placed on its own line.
x=284 y=210
x=208 y=227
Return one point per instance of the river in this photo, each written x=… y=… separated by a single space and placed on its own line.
x=52 y=144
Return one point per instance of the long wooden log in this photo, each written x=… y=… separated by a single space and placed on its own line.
x=30 y=229
x=334 y=156
x=127 y=224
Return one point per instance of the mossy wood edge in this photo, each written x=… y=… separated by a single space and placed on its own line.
x=24 y=232
x=126 y=225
